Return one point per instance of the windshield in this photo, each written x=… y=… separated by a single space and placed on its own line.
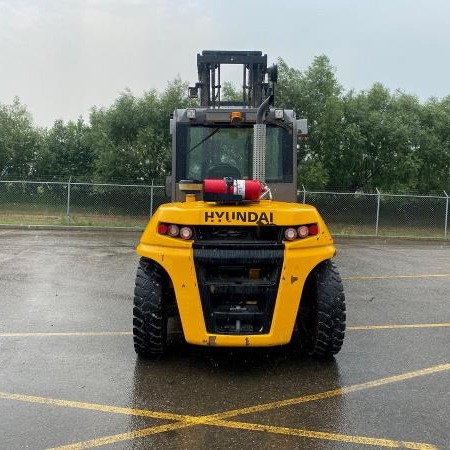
x=216 y=152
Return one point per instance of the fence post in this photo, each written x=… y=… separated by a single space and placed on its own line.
x=304 y=194
x=446 y=216
x=68 y=202
x=378 y=211
x=151 y=199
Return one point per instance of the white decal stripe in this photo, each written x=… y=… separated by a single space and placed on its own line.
x=239 y=187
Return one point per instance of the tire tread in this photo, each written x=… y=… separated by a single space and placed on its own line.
x=149 y=315
x=326 y=336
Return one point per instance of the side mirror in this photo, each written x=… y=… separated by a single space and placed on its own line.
x=302 y=127
x=193 y=91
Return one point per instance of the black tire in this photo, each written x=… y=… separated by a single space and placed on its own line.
x=149 y=311
x=321 y=318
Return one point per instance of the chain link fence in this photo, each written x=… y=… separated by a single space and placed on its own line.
x=79 y=204
x=131 y=205
x=381 y=213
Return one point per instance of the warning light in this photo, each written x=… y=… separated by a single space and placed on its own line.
x=236 y=116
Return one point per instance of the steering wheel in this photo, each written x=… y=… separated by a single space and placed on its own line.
x=223 y=170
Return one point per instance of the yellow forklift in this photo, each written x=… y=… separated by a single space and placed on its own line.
x=235 y=256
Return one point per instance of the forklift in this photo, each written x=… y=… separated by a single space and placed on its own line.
x=234 y=256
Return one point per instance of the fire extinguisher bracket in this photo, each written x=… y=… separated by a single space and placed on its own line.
x=230 y=190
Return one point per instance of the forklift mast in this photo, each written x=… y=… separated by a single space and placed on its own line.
x=258 y=80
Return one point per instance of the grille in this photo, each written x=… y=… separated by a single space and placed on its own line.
x=238 y=273
x=259 y=234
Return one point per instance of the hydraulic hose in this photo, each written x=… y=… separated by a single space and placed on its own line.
x=261 y=110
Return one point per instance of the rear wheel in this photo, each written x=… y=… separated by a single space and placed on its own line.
x=321 y=318
x=150 y=310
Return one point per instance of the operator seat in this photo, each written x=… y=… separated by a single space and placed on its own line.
x=222 y=171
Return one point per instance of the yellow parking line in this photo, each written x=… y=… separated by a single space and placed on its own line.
x=321 y=435
x=218 y=418
x=129 y=333
x=399 y=326
x=75 y=333
x=123 y=436
x=230 y=413
x=337 y=437
x=333 y=393
x=394 y=277
x=92 y=406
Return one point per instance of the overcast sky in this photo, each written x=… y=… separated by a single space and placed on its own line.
x=62 y=57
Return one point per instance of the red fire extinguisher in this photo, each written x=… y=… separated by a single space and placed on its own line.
x=247 y=189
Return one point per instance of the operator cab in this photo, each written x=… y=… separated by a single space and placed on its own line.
x=216 y=140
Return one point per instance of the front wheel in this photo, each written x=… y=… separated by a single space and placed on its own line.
x=321 y=317
x=150 y=310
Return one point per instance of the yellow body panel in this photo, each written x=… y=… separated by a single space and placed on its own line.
x=176 y=257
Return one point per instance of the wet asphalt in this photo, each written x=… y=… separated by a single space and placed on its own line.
x=69 y=375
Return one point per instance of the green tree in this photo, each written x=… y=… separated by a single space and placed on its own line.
x=66 y=151
x=230 y=93
x=312 y=174
x=434 y=146
x=289 y=91
x=357 y=140
x=315 y=95
x=131 y=139
x=380 y=134
x=20 y=141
